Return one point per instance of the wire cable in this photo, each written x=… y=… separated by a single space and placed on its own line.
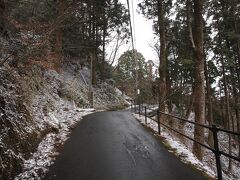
x=133 y=24
x=130 y=23
x=133 y=46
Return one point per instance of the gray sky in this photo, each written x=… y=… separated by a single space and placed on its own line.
x=143 y=32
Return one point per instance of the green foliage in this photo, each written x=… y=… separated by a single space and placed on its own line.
x=130 y=63
x=83 y=28
x=103 y=17
x=131 y=68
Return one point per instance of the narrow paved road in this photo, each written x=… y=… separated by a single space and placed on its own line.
x=114 y=146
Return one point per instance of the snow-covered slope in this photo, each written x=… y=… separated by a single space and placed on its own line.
x=38 y=109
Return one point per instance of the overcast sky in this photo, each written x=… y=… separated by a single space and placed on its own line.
x=143 y=32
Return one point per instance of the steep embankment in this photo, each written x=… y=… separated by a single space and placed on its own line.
x=36 y=104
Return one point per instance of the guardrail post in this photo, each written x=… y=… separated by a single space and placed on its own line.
x=158 y=120
x=216 y=152
x=145 y=114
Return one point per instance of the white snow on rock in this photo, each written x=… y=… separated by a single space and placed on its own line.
x=43 y=103
x=56 y=107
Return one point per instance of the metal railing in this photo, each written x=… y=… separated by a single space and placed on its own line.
x=214 y=129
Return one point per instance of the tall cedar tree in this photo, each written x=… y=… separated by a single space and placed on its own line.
x=196 y=40
x=162 y=60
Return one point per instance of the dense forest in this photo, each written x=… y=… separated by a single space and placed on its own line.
x=198 y=50
x=199 y=63
x=37 y=31
x=199 y=42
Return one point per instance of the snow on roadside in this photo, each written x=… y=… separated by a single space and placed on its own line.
x=37 y=166
x=177 y=147
x=54 y=110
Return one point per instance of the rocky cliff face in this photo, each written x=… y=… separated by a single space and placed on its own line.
x=20 y=134
x=35 y=102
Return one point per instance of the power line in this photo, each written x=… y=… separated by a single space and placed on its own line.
x=133 y=23
x=133 y=45
x=130 y=23
x=135 y=50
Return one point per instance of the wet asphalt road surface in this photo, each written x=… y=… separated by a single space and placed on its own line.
x=115 y=146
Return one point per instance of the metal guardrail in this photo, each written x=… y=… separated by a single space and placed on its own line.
x=214 y=129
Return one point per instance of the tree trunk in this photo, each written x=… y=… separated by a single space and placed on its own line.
x=168 y=84
x=162 y=60
x=169 y=91
x=235 y=104
x=237 y=67
x=238 y=106
x=92 y=38
x=104 y=34
x=227 y=106
x=190 y=105
x=199 y=103
x=58 y=36
x=209 y=105
x=237 y=31
x=196 y=41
